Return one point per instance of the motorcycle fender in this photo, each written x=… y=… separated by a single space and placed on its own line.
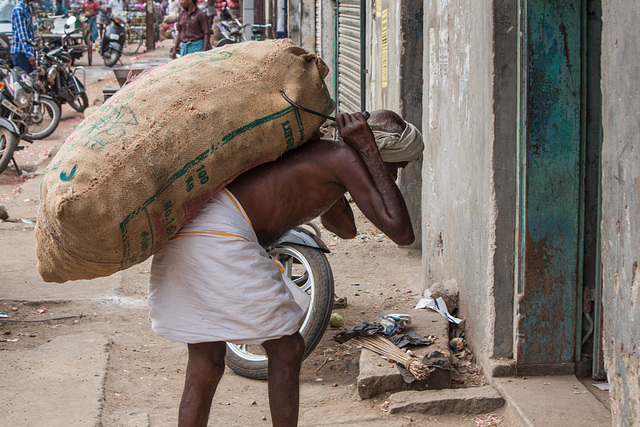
x=115 y=46
x=303 y=237
x=9 y=125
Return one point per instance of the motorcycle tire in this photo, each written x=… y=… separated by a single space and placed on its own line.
x=310 y=270
x=81 y=103
x=110 y=57
x=225 y=41
x=8 y=143
x=43 y=124
x=89 y=44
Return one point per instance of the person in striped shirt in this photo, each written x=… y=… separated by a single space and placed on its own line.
x=22 y=52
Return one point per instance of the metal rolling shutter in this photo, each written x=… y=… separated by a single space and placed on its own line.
x=319 y=27
x=350 y=70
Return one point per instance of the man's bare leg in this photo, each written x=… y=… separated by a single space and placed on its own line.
x=204 y=370
x=285 y=357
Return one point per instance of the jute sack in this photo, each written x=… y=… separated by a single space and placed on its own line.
x=141 y=166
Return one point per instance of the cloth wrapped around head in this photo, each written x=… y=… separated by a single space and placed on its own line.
x=397 y=148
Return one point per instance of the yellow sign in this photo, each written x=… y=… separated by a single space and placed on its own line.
x=385 y=47
x=378 y=7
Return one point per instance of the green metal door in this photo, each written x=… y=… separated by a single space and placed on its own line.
x=549 y=257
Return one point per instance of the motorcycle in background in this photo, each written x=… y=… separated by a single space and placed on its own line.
x=302 y=254
x=113 y=41
x=59 y=81
x=16 y=94
x=230 y=28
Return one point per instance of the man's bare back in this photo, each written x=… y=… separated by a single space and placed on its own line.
x=312 y=180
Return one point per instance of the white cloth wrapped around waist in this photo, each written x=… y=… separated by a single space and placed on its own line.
x=214 y=282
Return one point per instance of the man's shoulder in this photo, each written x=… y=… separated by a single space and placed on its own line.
x=327 y=151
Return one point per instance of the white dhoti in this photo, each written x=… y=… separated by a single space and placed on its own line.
x=214 y=282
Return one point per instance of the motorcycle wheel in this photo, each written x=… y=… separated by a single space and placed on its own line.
x=110 y=57
x=81 y=103
x=44 y=118
x=133 y=42
x=89 y=44
x=8 y=143
x=310 y=270
x=225 y=41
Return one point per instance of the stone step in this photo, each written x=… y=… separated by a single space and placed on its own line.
x=474 y=400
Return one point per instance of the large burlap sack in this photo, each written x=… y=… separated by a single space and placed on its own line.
x=141 y=166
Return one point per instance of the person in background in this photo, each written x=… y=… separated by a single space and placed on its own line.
x=60 y=9
x=115 y=6
x=211 y=11
x=193 y=29
x=101 y=18
x=22 y=53
x=91 y=9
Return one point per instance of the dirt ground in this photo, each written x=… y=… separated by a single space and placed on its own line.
x=146 y=373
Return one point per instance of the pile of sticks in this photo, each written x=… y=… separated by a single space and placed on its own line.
x=382 y=346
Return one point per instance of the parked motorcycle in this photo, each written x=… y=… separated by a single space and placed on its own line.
x=113 y=41
x=16 y=94
x=302 y=254
x=230 y=28
x=59 y=81
x=73 y=45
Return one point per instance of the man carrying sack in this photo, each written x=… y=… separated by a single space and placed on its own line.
x=214 y=283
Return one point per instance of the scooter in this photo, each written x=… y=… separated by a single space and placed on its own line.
x=231 y=29
x=302 y=254
x=113 y=41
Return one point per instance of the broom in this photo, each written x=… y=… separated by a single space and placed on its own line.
x=382 y=346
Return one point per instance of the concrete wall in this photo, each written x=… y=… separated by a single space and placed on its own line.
x=301 y=23
x=469 y=165
x=621 y=206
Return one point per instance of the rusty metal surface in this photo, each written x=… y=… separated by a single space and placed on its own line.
x=546 y=310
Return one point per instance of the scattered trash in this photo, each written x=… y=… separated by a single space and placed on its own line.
x=254 y=403
x=334 y=385
x=26 y=221
x=362 y=329
x=336 y=321
x=4 y=315
x=487 y=420
x=340 y=302
x=436 y=305
x=411 y=338
x=602 y=386
x=9 y=340
x=457 y=344
x=42 y=310
x=393 y=323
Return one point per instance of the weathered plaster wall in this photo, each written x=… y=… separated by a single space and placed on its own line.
x=459 y=188
x=621 y=206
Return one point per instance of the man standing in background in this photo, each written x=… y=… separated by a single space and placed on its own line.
x=22 y=28
x=193 y=29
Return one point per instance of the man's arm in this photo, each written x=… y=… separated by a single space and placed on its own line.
x=176 y=46
x=375 y=193
x=339 y=219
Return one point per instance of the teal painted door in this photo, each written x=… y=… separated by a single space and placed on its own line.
x=549 y=181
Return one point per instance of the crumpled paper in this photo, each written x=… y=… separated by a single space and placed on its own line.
x=436 y=305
